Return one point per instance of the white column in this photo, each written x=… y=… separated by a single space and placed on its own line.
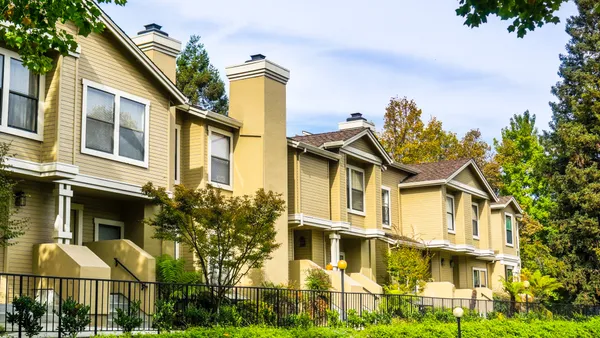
x=335 y=249
x=62 y=224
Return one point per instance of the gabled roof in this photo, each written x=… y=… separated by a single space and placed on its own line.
x=442 y=172
x=318 y=140
x=504 y=201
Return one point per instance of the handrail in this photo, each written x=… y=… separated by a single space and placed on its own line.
x=118 y=262
x=485 y=296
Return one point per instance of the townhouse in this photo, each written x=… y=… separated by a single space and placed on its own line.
x=109 y=118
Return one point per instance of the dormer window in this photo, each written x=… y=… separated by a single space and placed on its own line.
x=355 y=185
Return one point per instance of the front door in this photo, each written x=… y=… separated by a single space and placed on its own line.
x=77 y=224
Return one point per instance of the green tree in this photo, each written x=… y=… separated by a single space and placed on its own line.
x=573 y=144
x=32 y=27
x=199 y=80
x=11 y=227
x=542 y=287
x=526 y=14
x=172 y=271
x=228 y=235
x=408 y=267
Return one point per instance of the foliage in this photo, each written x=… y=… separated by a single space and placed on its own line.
x=36 y=28
x=130 y=318
x=75 y=317
x=573 y=164
x=228 y=235
x=196 y=316
x=164 y=316
x=333 y=319
x=542 y=287
x=525 y=15
x=408 y=267
x=170 y=270
x=318 y=280
x=281 y=298
x=199 y=80
x=229 y=316
x=27 y=314
x=10 y=226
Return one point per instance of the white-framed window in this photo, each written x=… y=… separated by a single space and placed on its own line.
x=509 y=224
x=479 y=278
x=386 y=210
x=450 y=213
x=177 y=169
x=509 y=272
x=21 y=98
x=355 y=185
x=220 y=158
x=475 y=220
x=115 y=124
x=106 y=229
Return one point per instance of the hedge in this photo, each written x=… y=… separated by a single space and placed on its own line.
x=426 y=329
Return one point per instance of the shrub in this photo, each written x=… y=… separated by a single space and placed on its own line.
x=27 y=314
x=75 y=317
x=317 y=280
x=130 y=319
x=197 y=316
x=353 y=319
x=302 y=320
x=256 y=314
x=164 y=316
x=333 y=319
x=229 y=316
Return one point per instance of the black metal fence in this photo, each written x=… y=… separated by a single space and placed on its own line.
x=110 y=301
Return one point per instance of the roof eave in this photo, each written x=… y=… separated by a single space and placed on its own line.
x=211 y=116
x=313 y=150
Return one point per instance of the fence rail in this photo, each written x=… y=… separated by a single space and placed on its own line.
x=198 y=304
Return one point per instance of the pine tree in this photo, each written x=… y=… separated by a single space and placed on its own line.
x=573 y=144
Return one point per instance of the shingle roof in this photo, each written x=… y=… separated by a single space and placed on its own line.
x=436 y=170
x=503 y=199
x=318 y=140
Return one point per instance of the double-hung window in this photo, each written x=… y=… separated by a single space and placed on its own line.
x=355 y=184
x=450 y=213
x=220 y=167
x=385 y=207
x=475 y=220
x=479 y=278
x=21 y=108
x=509 y=273
x=509 y=229
x=115 y=124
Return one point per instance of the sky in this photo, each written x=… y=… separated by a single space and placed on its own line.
x=353 y=56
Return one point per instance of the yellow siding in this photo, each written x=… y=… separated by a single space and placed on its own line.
x=318 y=248
x=49 y=146
x=391 y=178
x=69 y=89
x=292 y=181
x=193 y=148
x=337 y=183
x=302 y=252
x=365 y=145
x=94 y=207
x=314 y=186
x=470 y=178
x=422 y=213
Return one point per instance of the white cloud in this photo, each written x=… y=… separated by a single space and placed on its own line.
x=322 y=90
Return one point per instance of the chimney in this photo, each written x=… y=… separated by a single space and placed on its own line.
x=257 y=98
x=160 y=48
x=356 y=120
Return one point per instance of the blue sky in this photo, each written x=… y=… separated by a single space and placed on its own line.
x=349 y=56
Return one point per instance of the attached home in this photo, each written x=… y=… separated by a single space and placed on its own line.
x=109 y=118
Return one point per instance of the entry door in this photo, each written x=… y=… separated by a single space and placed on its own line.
x=77 y=224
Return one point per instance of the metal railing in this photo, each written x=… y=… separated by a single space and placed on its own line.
x=196 y=305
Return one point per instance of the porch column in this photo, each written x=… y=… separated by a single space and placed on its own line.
x=62 y=224
x=335 y=249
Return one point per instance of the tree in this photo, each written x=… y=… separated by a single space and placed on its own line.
x=31 y=27
x=542 y=287
x=228 y=235
x=573 y=145
x=408 y=267
x=526 y=15
x=199 y=80
x=11 y=227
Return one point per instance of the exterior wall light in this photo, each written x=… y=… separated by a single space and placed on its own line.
x=20 y=199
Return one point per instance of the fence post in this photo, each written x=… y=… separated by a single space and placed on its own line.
x=60 y=292
x=96 y=310
x=20 y=294
x=527 y=304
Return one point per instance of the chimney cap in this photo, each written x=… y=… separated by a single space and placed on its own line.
x=153 y=27
x=256 y=57
x=356 y=117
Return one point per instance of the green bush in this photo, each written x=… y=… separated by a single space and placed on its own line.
x=130 y=319
x=317 y=279
x=197 y=316
x=75 y=318
x=164 y=316
x=28 y=313
x=333 y=319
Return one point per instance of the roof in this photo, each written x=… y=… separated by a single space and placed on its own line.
x=504 y=201
x=320 y=139
x=434 y=171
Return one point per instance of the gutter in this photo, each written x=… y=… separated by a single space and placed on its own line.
x=211 y=116
x=314 y=150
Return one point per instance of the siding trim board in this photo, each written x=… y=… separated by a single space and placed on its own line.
x=104 y=184
x=465 y=188
x=329 y=225
x=464 y=248
x=50 y=169
x=361 y=155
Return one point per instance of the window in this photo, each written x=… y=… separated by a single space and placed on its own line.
x=475 y=220
x=509 y=229
x=177 y=171
x=508 y=271
x=21 y=109
x=220 y=153
x=450 y=213
x=106 y=229
x=479 y=278
x=115 y=124
x=355 y=181
x=385 y=207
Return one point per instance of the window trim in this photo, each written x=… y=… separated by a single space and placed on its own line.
x=4 y=128
x=387 y=226
x=118 y=95
x=177 y=159
x=512 y=223
x=486 y=277
x=478 y=220
x=212 y=130
x=98 y=221
x=349 y=168
x=453 y=230
x=506 y=269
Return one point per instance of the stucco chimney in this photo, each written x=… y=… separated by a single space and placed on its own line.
x=160 y=48
x=356 y=120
